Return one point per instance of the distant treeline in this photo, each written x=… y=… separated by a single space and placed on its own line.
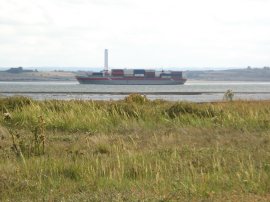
x=19 y=70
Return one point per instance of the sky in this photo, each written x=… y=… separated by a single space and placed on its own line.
x=185 y=34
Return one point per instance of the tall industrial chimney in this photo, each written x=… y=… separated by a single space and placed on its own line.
x=106 y=62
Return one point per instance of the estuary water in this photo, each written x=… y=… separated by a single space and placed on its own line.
x=196 y=91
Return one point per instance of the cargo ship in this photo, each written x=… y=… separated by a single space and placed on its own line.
x=131 y=76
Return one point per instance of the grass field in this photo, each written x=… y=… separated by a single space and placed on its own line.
x=134 y=150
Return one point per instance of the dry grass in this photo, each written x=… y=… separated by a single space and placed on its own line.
x=135 y=149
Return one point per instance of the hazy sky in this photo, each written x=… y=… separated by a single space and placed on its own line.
x=138 y=33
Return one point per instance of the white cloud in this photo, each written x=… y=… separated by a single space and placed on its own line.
x=147 y=33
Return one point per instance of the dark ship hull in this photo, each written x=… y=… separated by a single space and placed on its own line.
x=129 y=81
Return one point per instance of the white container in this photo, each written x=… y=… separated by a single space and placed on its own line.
x=157 y=74
x=128 y=71
x=139 y=75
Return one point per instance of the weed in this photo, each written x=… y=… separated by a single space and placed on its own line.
x=228 y=95
x=29 y=145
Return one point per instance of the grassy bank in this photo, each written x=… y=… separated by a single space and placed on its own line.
x=134 y=149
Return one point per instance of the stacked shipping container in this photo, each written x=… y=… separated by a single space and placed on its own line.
x=117 y=72
x=139 y=72
x=128 y=72
x=165 y=75
x=143 y=73
x=150 y=73
x=98 y=74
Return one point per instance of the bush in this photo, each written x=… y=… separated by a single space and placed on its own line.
x=136 y=98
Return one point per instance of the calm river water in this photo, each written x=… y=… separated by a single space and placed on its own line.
x=196 y=91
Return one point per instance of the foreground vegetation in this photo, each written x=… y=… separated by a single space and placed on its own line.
x=134 y=149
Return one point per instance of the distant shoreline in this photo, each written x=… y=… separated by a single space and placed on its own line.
x=188 y=81
x=128 y=93
x=230 y=75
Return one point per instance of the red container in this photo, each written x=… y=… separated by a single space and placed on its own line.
x=117 y=72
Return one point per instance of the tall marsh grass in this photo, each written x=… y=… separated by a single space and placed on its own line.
x=107 y=116
x=136 y=149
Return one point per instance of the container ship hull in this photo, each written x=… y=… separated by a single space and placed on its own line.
x=129 y=81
